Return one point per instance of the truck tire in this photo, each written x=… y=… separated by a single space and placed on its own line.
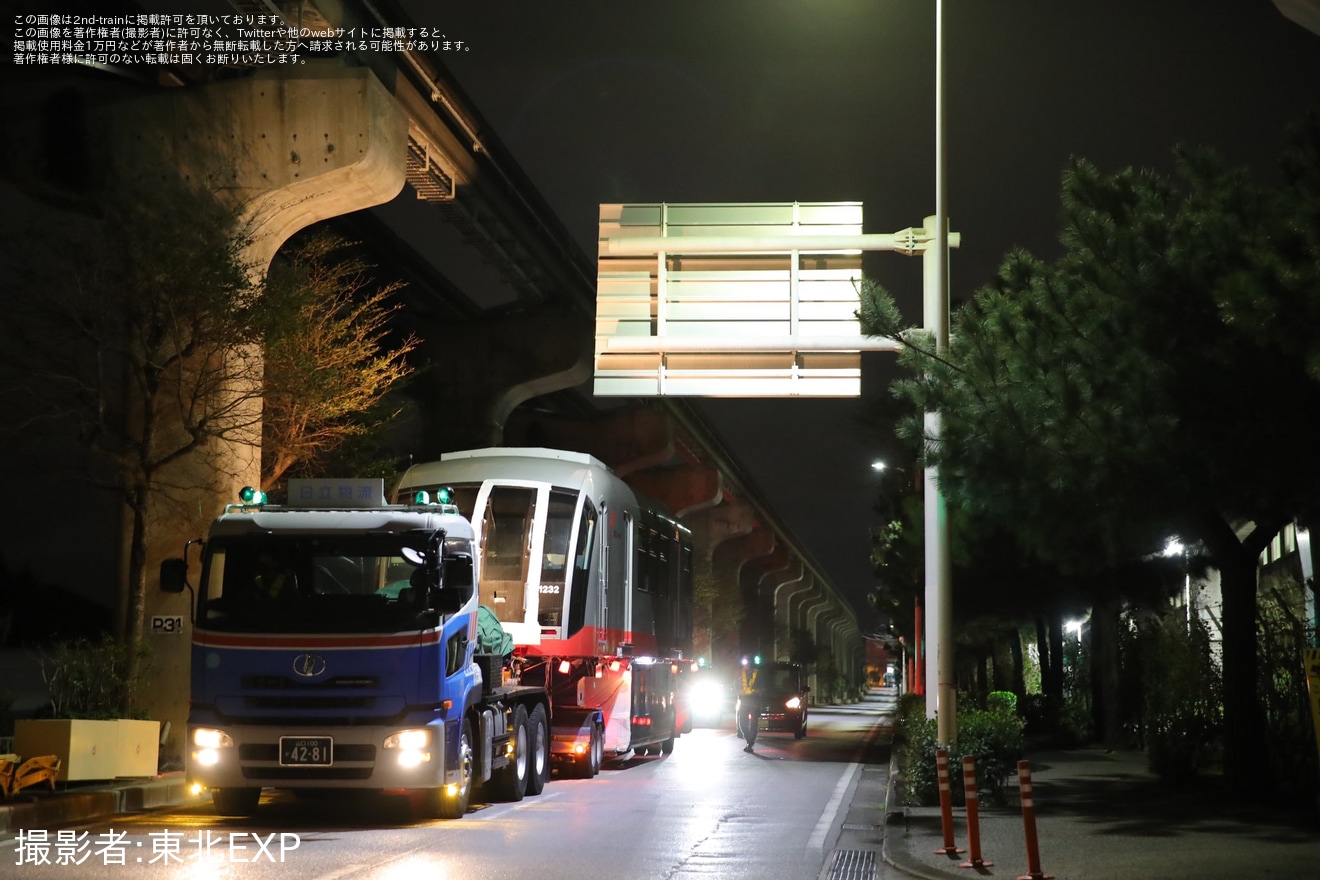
x=597 y=758
x=588 y=765
x=235 y=801
x=443 y=806
x=667 y=746
x=509 y=783
x=538 y=741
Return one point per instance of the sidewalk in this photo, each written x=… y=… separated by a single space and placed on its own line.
x=1104 y=816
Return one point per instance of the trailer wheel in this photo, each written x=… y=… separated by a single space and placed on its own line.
x=588 y=765
x=597 y=758
x=510 y=781
x=444 y=806
x=538 y=740
x=235 y=801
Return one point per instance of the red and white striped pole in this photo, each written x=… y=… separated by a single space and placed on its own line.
x=974 y=859
x=1029 y=823
x=946 y=803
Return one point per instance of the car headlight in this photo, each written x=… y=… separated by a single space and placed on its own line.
x=706 y=697
x=793 y=703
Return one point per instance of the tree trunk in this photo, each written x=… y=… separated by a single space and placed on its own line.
x=982 y=679
x=1056 y=655
x=1002 y=679
x=1019 y=664
x=1105 y=686
x=135 y=628
x=1244 y=734
x=1043 y=649
x=1244 y=719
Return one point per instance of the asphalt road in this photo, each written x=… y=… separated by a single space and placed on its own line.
x=708 y=810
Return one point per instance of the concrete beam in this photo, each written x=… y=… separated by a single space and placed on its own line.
x=759 y=582
x=727 y=566
x=287 y=148
x=485 y=369
x=783 y=593
x=712 y=526
x=684 y=489
x=629 y=440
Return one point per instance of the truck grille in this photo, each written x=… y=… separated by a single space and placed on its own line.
x=307 y=773
x=316 y=701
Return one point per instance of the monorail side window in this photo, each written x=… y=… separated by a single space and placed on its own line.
x=554 y=558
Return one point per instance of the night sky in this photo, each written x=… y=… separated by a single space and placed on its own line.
x=771 y=100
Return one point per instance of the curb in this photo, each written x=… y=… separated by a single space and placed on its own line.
x=66 y=807
x=902 y=860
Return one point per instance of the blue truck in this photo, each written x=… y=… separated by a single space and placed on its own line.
x=339 y=642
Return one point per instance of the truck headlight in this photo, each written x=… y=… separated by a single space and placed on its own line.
x=411 y=746
x=208 y=741
x=418 y=738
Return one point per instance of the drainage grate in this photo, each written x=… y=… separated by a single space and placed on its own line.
x=853 y=864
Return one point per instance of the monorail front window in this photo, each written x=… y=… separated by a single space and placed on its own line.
x=506 y=547
x=580 y=586
x=554 y=559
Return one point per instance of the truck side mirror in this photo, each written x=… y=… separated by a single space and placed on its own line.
x=173 y=575
x=458 y=572
x=446 y=601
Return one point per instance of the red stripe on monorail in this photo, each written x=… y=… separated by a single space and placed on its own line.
x=591 y=641
x=206 y=639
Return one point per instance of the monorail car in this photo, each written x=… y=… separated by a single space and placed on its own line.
x=580 y=572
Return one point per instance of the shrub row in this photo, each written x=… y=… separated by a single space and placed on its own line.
x=993 y=736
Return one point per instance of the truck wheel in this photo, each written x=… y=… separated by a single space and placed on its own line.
x=597 y=751
x=589 y=764
x=667 y=747
x=510 y=781
x=445 y=806
x=538 y=739
x=235 y=801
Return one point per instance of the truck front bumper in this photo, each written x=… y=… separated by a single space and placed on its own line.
x=319 y=756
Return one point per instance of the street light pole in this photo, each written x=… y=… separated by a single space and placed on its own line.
x=941 y=690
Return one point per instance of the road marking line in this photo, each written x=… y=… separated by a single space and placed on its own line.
x=817 y=839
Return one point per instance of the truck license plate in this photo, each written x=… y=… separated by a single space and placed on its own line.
x=306 y=751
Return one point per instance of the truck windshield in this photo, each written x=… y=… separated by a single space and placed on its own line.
x=314 y=583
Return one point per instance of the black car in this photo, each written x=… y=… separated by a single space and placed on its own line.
x=782 y=693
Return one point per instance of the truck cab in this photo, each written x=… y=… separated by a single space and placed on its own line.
x=334 y=646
